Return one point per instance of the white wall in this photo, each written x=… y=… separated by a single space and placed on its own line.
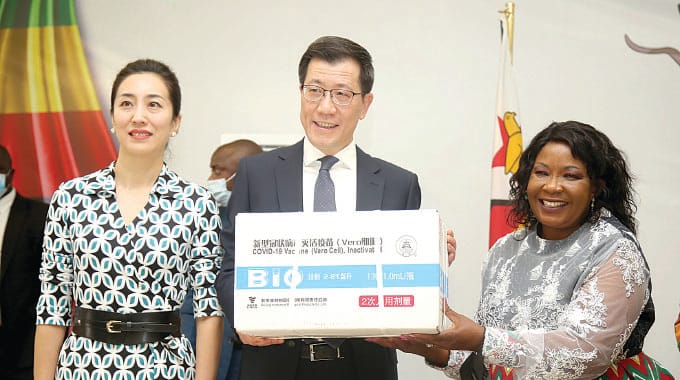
x=436 y=70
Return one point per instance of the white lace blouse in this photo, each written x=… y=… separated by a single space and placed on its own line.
x=562 y=309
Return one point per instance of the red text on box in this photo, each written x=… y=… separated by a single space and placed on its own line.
x=369 y=301
x=398 y=300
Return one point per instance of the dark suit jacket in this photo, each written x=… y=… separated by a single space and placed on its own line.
x=272 y=182
x=19 y=284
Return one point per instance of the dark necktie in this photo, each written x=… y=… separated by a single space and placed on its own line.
x=324 y=200
x=324 y=190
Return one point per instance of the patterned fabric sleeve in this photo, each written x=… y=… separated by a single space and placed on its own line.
x=206 y=255
x=56 y=270
x=456 y=360
x=591 y=332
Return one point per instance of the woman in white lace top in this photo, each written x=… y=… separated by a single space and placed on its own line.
x=567 y=295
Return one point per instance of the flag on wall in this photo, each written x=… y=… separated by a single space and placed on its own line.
x=677 y=331
x=507 y=140
x=50 y=120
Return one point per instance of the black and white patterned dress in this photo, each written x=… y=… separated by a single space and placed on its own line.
x=92 y=259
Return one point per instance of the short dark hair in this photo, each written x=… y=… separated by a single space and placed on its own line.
x=333 y=49
x=4 y=152
x=606 y=166
x=151 y=66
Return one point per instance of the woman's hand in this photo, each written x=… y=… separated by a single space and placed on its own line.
x=409 y=346
x=464 y=334
x=435 y=355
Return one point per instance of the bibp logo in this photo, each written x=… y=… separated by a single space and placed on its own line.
x=268 y=278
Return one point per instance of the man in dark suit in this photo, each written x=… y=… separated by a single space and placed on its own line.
x=21 y=224
x=336 y=78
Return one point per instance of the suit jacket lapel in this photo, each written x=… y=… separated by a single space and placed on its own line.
x=288 y=174
x=15 y=223
x=370 y=183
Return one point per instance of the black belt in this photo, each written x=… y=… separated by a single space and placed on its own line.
x=315 y=352
x=132 y=328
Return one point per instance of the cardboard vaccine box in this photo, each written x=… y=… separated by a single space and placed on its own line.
x=340 y=274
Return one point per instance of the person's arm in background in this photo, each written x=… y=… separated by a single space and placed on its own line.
x=238 y=202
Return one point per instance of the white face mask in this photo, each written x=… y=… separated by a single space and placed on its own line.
x=218 y=187
x=3 y=183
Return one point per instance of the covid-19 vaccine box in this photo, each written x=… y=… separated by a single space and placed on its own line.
x=340 y=274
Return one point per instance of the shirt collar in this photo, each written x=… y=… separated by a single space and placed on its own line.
x=347 y=157
x=103 y=183
x=7 y=200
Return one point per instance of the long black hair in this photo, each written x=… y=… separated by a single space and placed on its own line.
x=604 y=162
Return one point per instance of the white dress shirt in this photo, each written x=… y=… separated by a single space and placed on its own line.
x=343 y=174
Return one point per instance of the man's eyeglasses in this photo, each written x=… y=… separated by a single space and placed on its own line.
x=339 y=96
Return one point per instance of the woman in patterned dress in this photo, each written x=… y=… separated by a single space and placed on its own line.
x=568 y=295
x=129 y=241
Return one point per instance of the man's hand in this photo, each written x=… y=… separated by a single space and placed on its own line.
x=451 y=246
x=258 y=341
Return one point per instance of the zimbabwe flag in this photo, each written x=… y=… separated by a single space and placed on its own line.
x=50 y=119
x=507 y=141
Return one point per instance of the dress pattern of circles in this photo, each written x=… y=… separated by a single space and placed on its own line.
x=92 y=259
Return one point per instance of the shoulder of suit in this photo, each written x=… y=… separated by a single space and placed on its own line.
x=273 y=155
x=36 y=202
x=384 y=165
x=37 y=207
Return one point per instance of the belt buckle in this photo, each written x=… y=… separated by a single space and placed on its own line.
x=110 y=328
x=312 y=357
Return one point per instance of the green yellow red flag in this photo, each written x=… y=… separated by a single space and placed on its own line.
x=50 y=119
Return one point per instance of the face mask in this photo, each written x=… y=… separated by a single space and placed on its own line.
x=3 y=184
x=218 y=187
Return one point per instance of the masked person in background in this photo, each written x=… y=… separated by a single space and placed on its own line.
x=223 y=164
x=22 y=222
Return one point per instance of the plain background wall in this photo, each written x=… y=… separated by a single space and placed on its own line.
x=434 y=111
